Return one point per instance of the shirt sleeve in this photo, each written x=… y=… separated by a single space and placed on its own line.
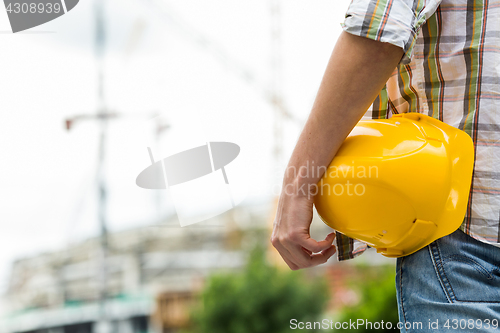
x=391 y=21
x=348 y=248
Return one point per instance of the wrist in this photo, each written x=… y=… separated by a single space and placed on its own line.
x=300 y=188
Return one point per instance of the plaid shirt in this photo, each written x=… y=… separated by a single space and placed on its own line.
x=450 y=71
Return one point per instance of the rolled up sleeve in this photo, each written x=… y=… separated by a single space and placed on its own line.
x=348 y=248
x=391 y=21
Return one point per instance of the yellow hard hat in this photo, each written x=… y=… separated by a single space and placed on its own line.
x=398 y=184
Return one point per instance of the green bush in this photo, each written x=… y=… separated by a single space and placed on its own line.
x=261 y=299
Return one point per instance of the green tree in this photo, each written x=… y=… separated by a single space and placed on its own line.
x=377 y=303
x=261 y=299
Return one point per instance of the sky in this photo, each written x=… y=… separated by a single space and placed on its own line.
x=202 y=66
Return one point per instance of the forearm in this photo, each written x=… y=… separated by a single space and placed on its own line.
x=356 y=72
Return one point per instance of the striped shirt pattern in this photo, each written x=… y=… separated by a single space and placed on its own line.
x=450 y=71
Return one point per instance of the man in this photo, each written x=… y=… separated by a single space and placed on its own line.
x=441 y=58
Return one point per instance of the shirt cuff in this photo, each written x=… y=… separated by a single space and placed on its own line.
x=348 y=248
x=391 y=21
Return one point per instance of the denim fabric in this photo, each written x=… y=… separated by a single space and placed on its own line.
x=452 y=285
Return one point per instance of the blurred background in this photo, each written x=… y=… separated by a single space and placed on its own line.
x=83 y=248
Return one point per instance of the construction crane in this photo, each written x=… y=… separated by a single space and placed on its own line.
x=102 y=116
x=271 y=93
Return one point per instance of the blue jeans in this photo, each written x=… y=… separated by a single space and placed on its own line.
x=451 y=285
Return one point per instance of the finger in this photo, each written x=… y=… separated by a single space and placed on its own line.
x=287 y=257
x=315 y=246
x=304 y=258
x=290 y=264
x=330 y=237
x=323 y=256
x=301 y=255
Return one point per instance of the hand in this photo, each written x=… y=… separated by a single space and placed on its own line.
x=291 y=234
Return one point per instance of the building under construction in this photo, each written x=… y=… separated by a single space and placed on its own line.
x=152 y=275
